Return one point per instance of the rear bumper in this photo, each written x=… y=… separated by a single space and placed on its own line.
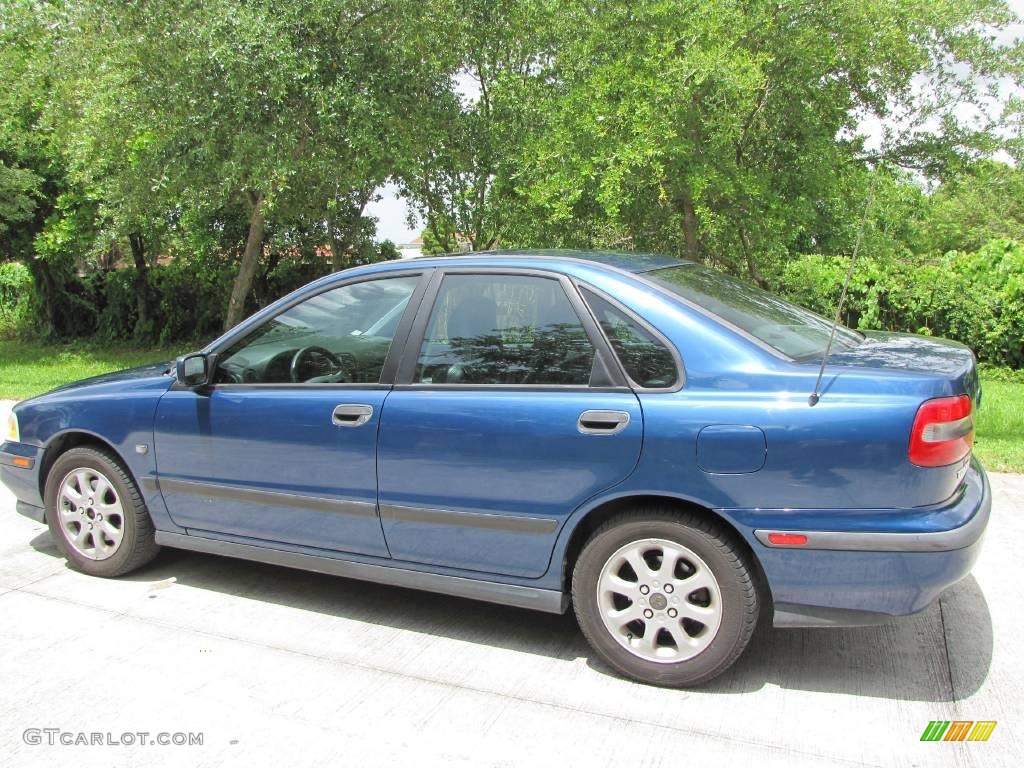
x=876 y=564
x=972 y=502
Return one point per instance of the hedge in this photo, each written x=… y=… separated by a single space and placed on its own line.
x=15 y=295
x=975 y=298
x=188 y=298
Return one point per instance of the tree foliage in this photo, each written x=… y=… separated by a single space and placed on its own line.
x=728 y=131
x=246 y=138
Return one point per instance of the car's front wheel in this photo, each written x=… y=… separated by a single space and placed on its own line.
x=666 y=598
x=96 y=514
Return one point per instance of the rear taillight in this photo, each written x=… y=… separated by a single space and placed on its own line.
x=943 y=432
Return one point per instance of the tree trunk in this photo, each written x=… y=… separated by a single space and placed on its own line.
x=250 y=260
x=748 y=256
x=689 y=226
x=345 y=230
x=138 y=247
x=339 y=253
x=49 y=293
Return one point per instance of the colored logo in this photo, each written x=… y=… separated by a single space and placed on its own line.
x=958 y=730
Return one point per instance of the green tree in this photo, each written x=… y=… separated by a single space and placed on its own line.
x=724 y=131
x=462 y=178
x=33 y=177
x=438 y=237
x=986 y=202
x=281 y=107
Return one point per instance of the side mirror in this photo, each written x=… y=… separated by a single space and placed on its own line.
x=194 y=370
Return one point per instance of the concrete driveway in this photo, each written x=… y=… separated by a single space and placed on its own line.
x=274 y=666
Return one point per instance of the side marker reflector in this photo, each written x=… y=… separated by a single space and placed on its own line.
x=787 y=539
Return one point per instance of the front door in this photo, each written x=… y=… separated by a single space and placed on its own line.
x=507 y=416
x=282 y=447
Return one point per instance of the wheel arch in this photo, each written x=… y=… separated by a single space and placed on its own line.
x=63 y=442
x=579 y=529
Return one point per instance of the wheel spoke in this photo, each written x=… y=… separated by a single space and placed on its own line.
x=83 y=481
x=113 y=533
x=70 y=493
x=69 y=516
x=681 y=638
x=618 y=585
x=702 y=579
x=626 y=615
x=114 y=506
x=700 y=613
x=102 y=487
x=647 y=640
x=668 y=564
x=638 y=564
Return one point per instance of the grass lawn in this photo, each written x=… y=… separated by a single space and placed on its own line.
x=999 y=435
x=27 y=370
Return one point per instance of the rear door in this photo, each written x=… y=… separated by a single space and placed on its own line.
x=508 y=413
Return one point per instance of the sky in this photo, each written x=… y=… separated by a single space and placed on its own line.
x=392 y=212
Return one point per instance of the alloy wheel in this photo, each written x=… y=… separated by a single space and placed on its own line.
x=91 y=514
x=659 y=600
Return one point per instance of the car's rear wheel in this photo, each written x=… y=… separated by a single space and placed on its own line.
x=96 y=514
x=665 y=597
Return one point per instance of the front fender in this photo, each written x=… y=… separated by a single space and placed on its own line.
x=116 y=414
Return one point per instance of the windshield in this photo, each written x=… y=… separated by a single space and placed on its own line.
x=792 y=330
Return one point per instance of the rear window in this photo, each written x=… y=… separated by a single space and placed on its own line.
x=792 y=330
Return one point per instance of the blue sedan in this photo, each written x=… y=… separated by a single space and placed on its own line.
x=632 y=435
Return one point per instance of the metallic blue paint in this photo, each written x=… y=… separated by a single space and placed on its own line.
x=738 y=439
x=500 y=453
x=281 y=441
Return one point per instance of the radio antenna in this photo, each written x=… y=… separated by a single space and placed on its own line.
x=815 y=396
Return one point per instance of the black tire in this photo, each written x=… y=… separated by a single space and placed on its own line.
x=738 y=607
x=137 y=544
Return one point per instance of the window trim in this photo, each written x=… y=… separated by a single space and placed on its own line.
x=605 y=363
x=391 y=361
x=677 y=359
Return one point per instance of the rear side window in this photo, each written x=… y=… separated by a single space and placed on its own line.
x=504 y=329
x=645 y=357
x=792 y=330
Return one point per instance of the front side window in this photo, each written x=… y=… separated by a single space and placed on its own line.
x=504 y=329
x=644 y=356
x=340 y=336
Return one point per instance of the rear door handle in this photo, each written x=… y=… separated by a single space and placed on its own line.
x=351 y=415
x=602 y=422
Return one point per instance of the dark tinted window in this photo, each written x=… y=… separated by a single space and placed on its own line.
x=504 y=329
x=339 y=336
x=645 y=357
x=793 y=330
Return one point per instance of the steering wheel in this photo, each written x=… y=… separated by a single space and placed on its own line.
x=313 y=356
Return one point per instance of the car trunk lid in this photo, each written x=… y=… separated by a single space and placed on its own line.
x=947 y=360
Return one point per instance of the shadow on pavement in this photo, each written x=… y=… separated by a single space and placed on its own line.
x=908 y=659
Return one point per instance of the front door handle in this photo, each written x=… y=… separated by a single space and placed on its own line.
x=602 y=422
x=351 y=415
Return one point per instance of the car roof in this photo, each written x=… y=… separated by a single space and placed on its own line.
x=627 y=261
